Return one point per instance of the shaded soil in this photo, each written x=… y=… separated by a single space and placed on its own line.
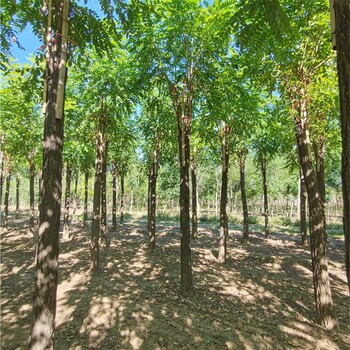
x=262 y=298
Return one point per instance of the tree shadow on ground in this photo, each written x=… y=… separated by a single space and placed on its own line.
x=262 y=298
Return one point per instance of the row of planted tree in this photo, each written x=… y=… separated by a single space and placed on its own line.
x=129 y=194
x=210 y=79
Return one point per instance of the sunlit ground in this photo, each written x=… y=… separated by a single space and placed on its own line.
x=262 y=298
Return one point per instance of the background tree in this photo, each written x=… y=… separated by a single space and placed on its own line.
x=342 y=39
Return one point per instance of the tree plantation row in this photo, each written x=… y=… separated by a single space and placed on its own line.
x=179 y=87
x=283 y=193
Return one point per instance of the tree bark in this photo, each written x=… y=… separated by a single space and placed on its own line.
x=194 y=200
x=75 y=195
x=31 y=196
x=244 y=196
x=17 y=196
x=104 y=228
x=223 y=199
x=322 y=290
x=1 y=175
x=302 y=198
x=122 y=199
x=114 y=196
x=183 y=113
x=67 y=203
x=7 y=196
x=96 y=212
x=342 y=33
x=40 y=183
x=266 y=206
x=86 y=197
x=46 y=270
x=152 y=200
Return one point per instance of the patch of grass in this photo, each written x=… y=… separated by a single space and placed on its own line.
x=208 y=218
x=283 y=221
x=168 y=216
x=253 y=220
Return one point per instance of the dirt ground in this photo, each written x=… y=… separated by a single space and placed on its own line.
x=262 y=298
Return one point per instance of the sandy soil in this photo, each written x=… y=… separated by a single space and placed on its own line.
x=262 y=298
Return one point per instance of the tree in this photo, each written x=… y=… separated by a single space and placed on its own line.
x=303 y=68
x=155 y=123
x=342 y=40
x=46 y=275
x=20 y=99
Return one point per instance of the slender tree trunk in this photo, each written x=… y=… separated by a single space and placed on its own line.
x=86 y=197
x=322 y=289
x=266 y=206
x=75 y=196
x=17 y=196
x=96 y=211
x=216 y=197
x=319 y=150
x=302 y=198
x=152 y=200
x=183 y=113
x=31 y=196
x=46 y=270
x=1 y=166
x=40 y=183
x=114 y=196
x=67 y=203
x=131 y=201
x=7 y=196
x=122 y=199
x=223 y=200
x=194 y=200
x=104 y=228
x=342 y=34
x=244 y=196
x=1 y=174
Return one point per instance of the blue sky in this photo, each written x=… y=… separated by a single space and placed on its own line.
x=31 y=43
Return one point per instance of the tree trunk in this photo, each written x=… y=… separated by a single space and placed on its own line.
x=266 y=206
x=40 y=183
x=183 y=113
x=302 y=198
x=152 y=200
x=67 y=203
x=322 y=290
x=319 y=151
x=86 y=197
x=244 y=196
x=46 y=270
x=104 y=228
x=31 y=196
x=114 y=197
x=194 y=200
x=17 y=196
x=122 y=199
x=342 y=32
x=1 y=172
x=75 y=196
x=216 y=197
x=223 y=199
x=7 y=196
x=96 y=211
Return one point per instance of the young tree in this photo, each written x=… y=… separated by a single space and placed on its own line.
x=155 y=123
x=341 y=27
